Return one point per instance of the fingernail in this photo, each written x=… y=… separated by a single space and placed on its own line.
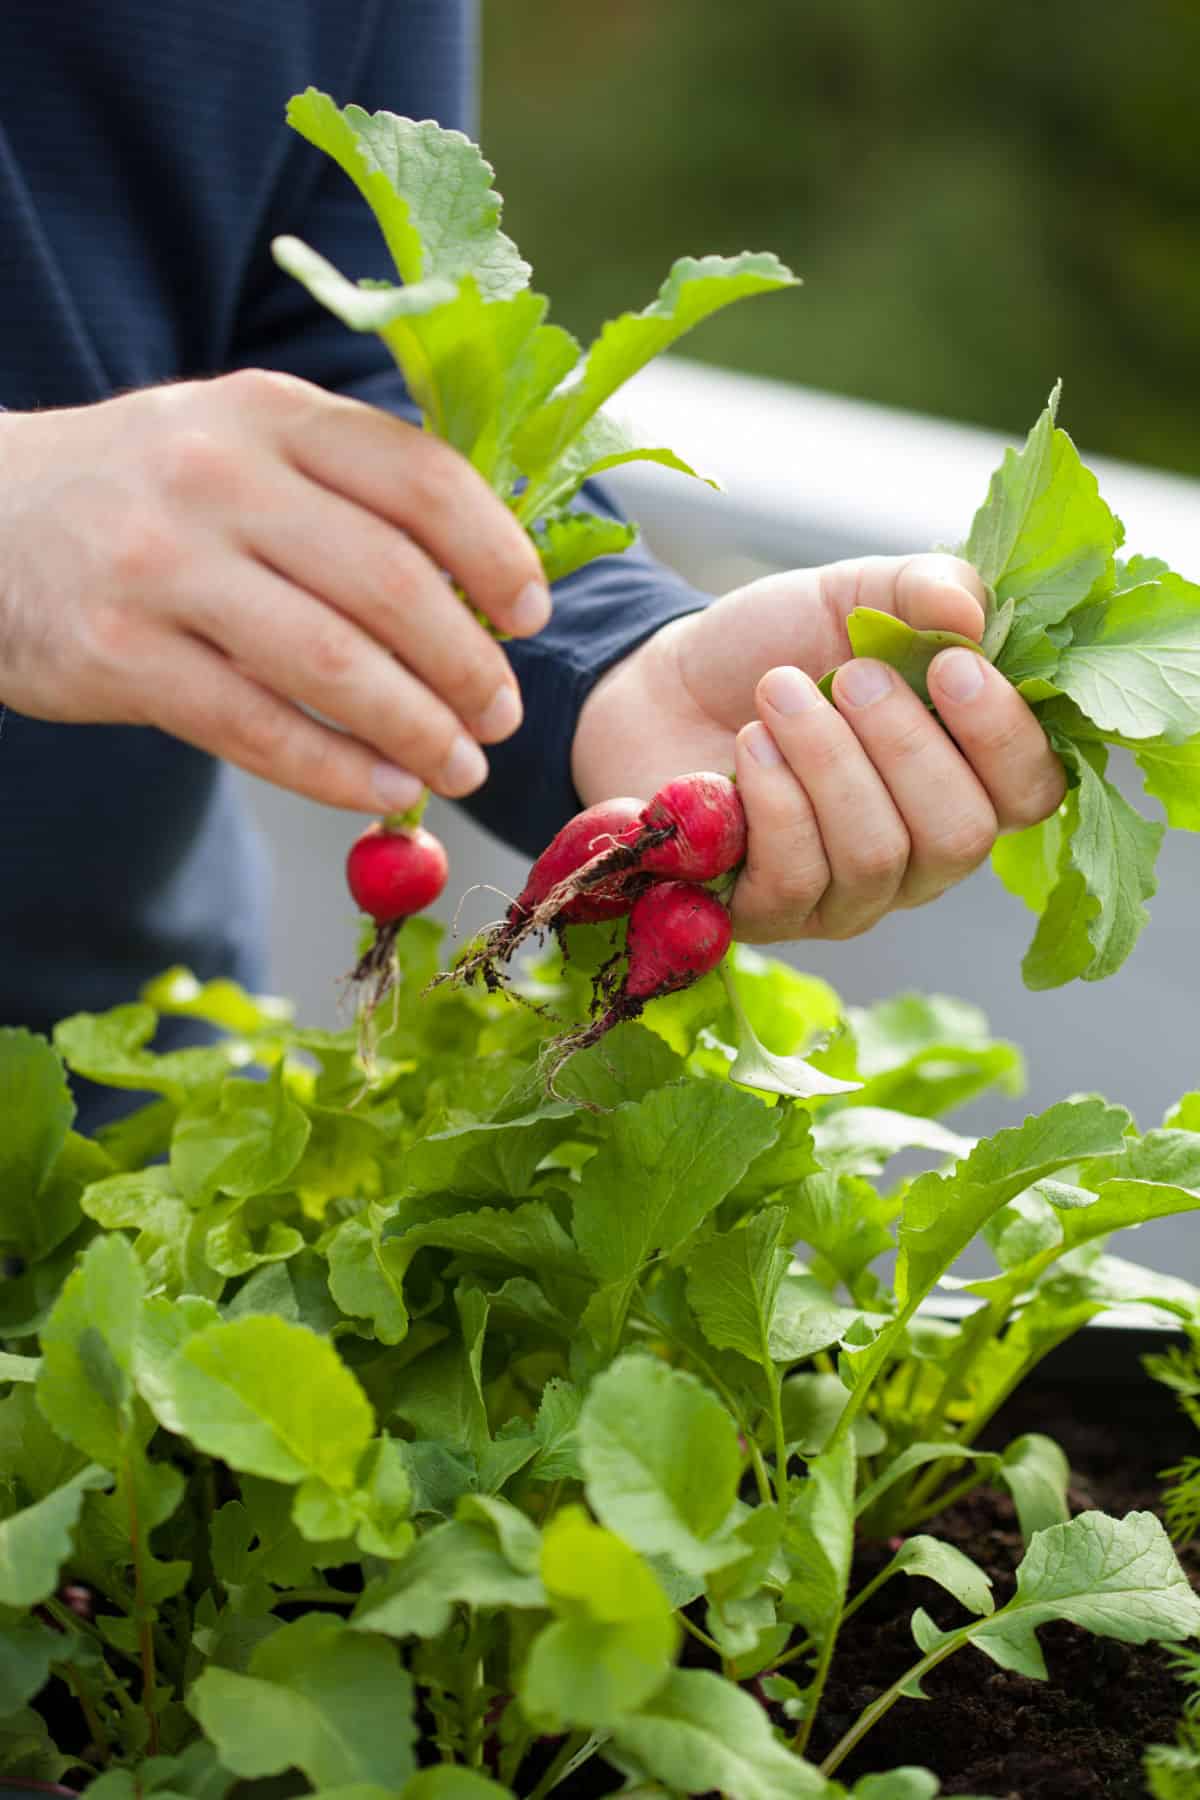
x=863 y=683
x=789 y=691
x=960 y=673
x=395 y=789
x=532 y=609
x=762 y=746
x=465 y=768
x=502 y=714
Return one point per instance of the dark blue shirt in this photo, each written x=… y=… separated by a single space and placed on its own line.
x=144 y=168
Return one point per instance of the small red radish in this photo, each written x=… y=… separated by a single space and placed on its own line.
x=677 y=933
x=703 y=827
x=393 y=874
x=590 y=834
x=394 y=869
x=694 y=829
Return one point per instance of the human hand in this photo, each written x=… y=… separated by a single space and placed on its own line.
x=213 y=557
x=853 y=809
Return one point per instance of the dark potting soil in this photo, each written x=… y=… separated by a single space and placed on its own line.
x=1079 y=1736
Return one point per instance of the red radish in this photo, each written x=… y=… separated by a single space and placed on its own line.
x=694 y=829
x=394 y=869
x=703 y=825
x=393 y=874
x=591 y=833
x=677 y=933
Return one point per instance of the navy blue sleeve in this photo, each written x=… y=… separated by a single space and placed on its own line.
x=602 y=612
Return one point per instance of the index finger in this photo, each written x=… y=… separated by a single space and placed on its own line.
x=430 y=492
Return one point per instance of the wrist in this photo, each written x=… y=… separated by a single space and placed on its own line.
x=615 y=748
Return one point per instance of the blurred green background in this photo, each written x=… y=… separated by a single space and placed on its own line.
x=980 y=198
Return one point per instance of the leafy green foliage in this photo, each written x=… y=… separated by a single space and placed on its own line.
x=1108 y=654
x=471 y=339
x=499 y=1400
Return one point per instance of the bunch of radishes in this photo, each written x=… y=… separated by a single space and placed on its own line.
x=618 y=858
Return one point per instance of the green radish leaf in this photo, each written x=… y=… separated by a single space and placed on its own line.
x=556 y=1429
x=1132 y=663
x=927 y=1053
x=170 y=1241
x=916 y=1456
x=38 y=1114
x=806 y=1320
x=318 y=1698
x=733 y=1283
x=693 y=290
x=485 y=1160
x=666 y=1162
x=812 y=1406
x=430 y=190
x=36 y=1542
x=566 y=544
x=1171 y=773
x=527 y=1236
x=269 y=1398
x=219 y=1002
x=240 y=1139
x=904 y=649
x=900 y=1784
x=1029 y=863
x=1119 y=1578
x=1113 y=850
x=446 y=1783
x=930 y=1558
x=615 y=1638
x=845 y=1222
x=942 y=1213
x=1043 y=538
x=85 y=1388
x=819 y=1543
x=1036 y=1473
x=110 y=1048
x=27 y=1648
x=644 y=1430
x=755 y=1066
x=363 y=1281
x=458 y=1562
x=361 y=308
x=700 y=1733
x=860 y=1140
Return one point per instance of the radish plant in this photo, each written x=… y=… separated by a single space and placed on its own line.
x=392 y=1429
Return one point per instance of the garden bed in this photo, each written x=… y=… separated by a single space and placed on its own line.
x=987 y=1731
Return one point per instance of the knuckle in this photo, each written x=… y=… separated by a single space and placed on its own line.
x=142 y=548
x=964 y=843
x=878 y=861
x=332 y=655
x=260 y=389
x=115 y=632
x=195 y=464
